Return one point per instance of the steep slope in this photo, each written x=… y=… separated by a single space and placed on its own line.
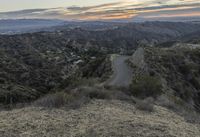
x=176 y=68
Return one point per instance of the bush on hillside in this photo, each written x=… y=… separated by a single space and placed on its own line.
x=94 y=93
x=146 y=86
x=55 y=100
x=73 y=99
x=12 y=94
x=145 y=105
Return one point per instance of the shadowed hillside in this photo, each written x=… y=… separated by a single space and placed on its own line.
x=176 y=69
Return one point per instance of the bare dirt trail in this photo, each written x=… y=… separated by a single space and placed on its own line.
x=122 y=75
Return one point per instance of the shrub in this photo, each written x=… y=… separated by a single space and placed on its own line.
x=94 y=93
x=192 y=117
x=146 y=86
x=73 y=99
x=55 y=100
x=165 y=101
x=13 y=94
x=145 y=105
x=195 y=82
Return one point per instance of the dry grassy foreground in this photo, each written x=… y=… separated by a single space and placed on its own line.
x=98 y=118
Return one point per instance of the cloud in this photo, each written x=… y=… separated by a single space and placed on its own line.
x=126 y=9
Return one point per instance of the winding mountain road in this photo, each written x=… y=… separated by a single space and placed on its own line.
x=122 y=75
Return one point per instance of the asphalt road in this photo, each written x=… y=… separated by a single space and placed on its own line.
x=122 y=75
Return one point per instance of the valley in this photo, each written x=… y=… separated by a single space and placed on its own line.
x=101 y=79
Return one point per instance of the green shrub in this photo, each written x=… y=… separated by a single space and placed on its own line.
x=12 y=94
x=146 y=86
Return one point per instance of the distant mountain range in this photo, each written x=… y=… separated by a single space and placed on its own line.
x=110 y=35
x=19 y=26
x=26 y=25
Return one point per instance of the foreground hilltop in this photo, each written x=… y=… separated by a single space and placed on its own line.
x=98 y=118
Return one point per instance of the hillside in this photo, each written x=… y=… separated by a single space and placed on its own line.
x=32 y=65
x=131 y=35
x=57 y=83
x=99 y=118
x=174 y=68
x=124 y=35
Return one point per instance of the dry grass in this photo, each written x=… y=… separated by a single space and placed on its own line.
x=99 y=118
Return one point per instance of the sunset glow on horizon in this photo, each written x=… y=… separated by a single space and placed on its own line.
x=98 y=9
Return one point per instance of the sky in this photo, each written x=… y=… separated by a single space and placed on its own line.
x=100 y=9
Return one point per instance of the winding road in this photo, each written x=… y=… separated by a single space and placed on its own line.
x=122 y=75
